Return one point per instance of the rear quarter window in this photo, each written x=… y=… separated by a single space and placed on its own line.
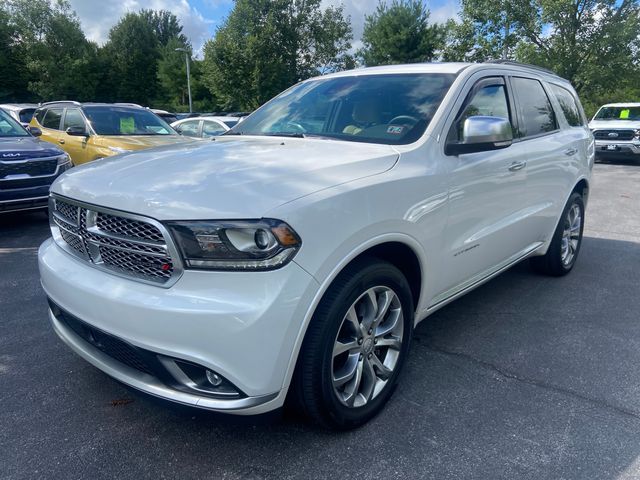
x=568 y=105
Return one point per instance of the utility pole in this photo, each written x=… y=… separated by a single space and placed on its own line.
x=186 y=57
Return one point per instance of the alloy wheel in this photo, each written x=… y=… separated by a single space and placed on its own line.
x=367 y=346
x=571 y=235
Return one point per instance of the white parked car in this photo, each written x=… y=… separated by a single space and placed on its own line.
x=204 y=127
x=295 y=254
x=616 y=128
x=22 y=112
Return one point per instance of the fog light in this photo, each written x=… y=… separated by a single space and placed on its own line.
x=213 y=378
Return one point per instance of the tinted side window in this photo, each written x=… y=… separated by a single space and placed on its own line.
x=568 y=105
x=490 y=100
x=73 y=118
x=536 y=114
x=26 y=114
x=52 y=118
x=39 y=115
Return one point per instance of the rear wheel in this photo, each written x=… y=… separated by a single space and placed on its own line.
x=566 y=241
x=355 y=346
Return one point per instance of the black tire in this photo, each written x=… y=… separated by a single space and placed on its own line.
x=552 y=262
x=312 y=382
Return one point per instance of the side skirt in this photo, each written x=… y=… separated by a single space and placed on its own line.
x=456 y=292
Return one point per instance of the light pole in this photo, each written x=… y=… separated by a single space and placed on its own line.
x=186 y=57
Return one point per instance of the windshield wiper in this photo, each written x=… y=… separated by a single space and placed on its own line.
x=284 y=134
x=229 y=132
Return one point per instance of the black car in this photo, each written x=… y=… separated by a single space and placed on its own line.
x=28 y=166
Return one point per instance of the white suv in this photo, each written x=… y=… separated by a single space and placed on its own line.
x=293 y=256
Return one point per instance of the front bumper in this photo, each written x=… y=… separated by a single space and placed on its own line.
x=613 y=148
x=242 y=325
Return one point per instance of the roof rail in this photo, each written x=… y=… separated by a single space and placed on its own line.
x=503 y=61
x=61 y=101
x=128 y=104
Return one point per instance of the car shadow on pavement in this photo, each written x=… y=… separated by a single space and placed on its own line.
x=526 y=377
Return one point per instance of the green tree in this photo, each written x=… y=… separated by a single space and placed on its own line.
x=488 y=29
x=593 y=43
x=165 y=25
x=13 y=73
x=265 y=46
x=132 y=52
x=57 y=60
x=400 y=33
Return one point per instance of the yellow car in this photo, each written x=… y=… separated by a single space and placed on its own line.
x=88 y=131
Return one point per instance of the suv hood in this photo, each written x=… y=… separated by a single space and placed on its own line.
x=22 y=148
x=614 y=124
x=230 y=178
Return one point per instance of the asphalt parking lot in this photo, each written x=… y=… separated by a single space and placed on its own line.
x=526 y=377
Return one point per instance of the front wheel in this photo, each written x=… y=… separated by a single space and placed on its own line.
x=566 y=241
x=355 y=346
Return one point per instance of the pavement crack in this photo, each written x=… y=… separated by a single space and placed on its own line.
x=530 y=381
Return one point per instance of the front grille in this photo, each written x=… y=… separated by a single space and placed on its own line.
x=127 y=246
x=35 y=168
x=614 y=135
x=115 y=348
x=128 y=227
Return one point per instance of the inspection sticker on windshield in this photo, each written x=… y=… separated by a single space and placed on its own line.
x=395 y=129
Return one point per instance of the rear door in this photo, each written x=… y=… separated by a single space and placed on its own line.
x=550 y=152
x=50 y=125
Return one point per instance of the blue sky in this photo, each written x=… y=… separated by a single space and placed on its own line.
x=200 y=18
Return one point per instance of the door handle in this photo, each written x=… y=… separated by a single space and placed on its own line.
x=515 y=166
x=570 y=151
x=61 y=141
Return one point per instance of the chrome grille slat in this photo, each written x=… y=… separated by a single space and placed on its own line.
x=614 y=134
x=128 y=227
x=133 y=247
x=154 y=249
x=68 y=211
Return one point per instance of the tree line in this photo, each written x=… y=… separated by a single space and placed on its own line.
x=265 y=46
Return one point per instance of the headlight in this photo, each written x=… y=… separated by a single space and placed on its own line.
x=119 y=150
x=637 y=134
x=264 y=244
x=64 y=159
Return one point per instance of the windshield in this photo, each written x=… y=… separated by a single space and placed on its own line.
x=618 y=113
x=9 y=127
x=391 y=109
x=112 y=120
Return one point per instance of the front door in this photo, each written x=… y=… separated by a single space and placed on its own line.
x=486 y=196
x=76 y=146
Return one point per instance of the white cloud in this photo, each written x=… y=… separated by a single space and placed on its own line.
x=97 y=17
x=445 y=12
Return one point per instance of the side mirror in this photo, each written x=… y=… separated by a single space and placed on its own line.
x=482 y=134
x=77 y=131
x=35 y=131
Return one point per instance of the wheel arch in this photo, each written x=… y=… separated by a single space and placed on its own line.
x=583 y=188
x=398 y=249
